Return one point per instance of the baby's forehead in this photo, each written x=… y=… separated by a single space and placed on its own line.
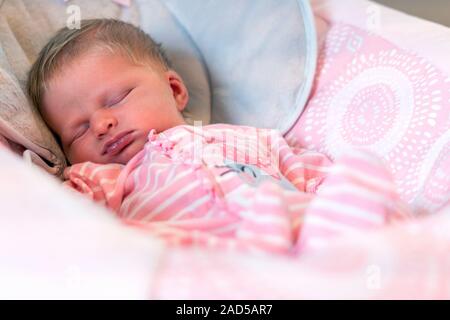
x=72 y=65
x=87 y=76
x=91 y=74
x=108 y=59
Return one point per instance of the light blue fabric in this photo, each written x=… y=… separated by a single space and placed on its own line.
x=157 y=21
x=258 y=56
x=255 y=176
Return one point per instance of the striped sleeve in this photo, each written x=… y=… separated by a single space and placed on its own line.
x=97 y=181
x=359 y=194
x=305 y=169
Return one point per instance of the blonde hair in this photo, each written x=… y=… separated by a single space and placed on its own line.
x=113 y=35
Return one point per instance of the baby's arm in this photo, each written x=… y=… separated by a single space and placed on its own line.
x=100 y=182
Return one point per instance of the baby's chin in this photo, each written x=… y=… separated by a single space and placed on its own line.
x=128 y=155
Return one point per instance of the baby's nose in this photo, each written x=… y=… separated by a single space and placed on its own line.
x=102 y=123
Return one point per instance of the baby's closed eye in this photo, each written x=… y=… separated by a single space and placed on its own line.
x=81 y=130
x=119 y=98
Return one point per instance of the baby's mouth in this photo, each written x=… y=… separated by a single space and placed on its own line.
x=118 y=143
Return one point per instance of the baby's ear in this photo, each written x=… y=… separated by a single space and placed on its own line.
x=179 y=89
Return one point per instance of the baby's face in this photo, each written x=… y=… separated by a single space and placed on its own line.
x=102 y=107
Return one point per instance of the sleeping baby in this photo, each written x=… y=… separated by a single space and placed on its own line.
x=109 y=95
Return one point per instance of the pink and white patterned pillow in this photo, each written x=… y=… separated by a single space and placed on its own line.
x=370 y=93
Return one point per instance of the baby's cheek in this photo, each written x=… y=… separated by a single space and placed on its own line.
x=79 y=153
x=136 y=148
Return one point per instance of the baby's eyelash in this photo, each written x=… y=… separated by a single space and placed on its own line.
x=119 y=98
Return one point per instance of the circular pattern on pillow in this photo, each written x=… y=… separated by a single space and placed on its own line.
x=373 y=109
x=373 y=95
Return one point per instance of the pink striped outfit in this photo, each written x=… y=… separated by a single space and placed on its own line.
x=178 y=188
